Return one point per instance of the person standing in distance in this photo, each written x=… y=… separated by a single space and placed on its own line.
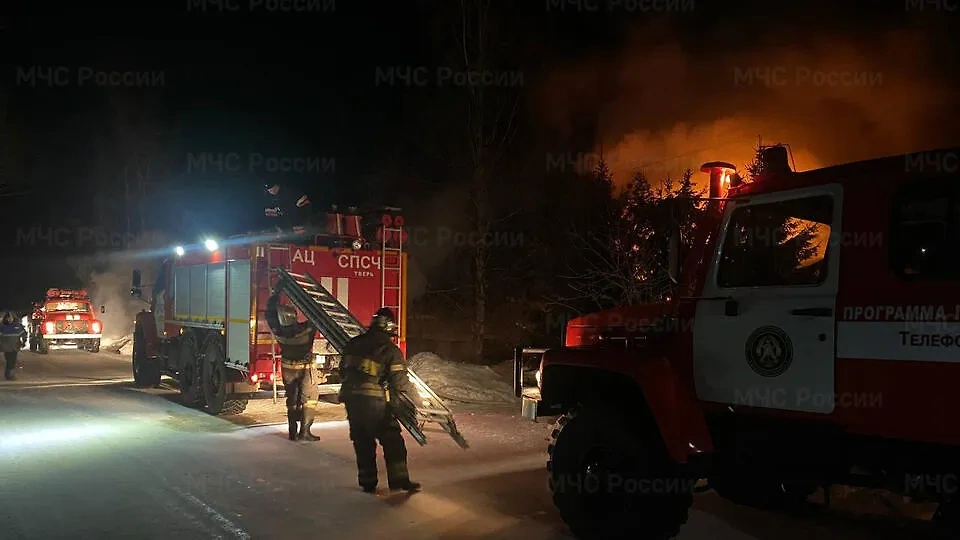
x=372 y=366
x=298 y=369
x=12 y=339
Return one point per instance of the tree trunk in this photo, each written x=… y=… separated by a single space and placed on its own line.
x=480 y=256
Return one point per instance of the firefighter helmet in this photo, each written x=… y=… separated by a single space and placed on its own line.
x=384 y=320
x=287 y=315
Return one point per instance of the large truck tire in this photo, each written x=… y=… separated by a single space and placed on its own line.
x=146 y=372
x=191 y=385
x=214 y=373
x=94 y=346
x=611 y=477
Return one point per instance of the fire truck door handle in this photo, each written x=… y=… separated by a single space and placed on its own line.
x=812 y=312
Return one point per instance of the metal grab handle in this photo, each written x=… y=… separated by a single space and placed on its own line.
x=812 y=312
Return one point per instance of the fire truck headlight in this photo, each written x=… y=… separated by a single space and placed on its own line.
x=179 y=251
x=357 y=245
x=210 y=244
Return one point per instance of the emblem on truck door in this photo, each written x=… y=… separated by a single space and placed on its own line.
x=769 y=351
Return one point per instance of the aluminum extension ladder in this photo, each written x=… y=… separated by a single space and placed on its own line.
x=339 y=326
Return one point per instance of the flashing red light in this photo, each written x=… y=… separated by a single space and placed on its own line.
x=78 y=294
x=721 y=176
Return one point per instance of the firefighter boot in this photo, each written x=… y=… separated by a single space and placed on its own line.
x=293 y=416
x=305 y=424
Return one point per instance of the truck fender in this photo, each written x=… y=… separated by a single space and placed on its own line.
x=148 y=325
x=680 y=419
x=568 y=374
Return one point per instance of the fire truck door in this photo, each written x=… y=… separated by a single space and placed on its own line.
x=764 y=327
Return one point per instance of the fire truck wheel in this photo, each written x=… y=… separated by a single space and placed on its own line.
x=94 y=345
x=191 y=388
x=146 y=372
x=605 y=469
x=214 y=376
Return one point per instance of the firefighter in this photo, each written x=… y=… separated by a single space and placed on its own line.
x=298 y=369
x=12 y=339
x=372 y=367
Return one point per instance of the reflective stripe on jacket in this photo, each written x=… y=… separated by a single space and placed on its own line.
x=11 y=337
x=372 y=364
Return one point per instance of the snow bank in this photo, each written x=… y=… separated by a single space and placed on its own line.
x=461 y=382
x=122 y=345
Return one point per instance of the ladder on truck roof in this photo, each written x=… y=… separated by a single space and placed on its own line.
x=391 y=262
x=339 y=326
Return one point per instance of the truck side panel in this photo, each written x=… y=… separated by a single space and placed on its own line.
x=198 y=293
x=239 y=329
x=181 y=290
x=216 y=291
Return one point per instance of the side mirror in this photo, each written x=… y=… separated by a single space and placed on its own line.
x=673 y=255
x=103 y=309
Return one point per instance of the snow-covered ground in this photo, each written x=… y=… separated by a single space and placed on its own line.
x=452 y=381
x=461 y=382
x=122 y=345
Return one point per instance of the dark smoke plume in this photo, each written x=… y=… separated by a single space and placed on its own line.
x=666 y=107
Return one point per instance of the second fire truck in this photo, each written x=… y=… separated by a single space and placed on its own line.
x=207 y=329
x=66 y=319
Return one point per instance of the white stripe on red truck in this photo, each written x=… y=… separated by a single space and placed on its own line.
x=908 y=341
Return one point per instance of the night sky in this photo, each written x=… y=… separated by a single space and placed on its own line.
x=302 y=85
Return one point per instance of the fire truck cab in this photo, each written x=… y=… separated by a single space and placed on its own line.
x=66 y=319
x=813 y=340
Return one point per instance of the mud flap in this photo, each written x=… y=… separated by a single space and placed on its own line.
x=414 y=412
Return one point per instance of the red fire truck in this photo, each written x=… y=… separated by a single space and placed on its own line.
x=65 y=320
x=206 y=326
x=812 y=342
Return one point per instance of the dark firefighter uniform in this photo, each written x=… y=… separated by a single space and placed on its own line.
x=12 y=338
x=298 y=369
x=372 y=366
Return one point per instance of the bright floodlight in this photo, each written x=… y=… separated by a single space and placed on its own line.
x=211 y=244
x=179 y=251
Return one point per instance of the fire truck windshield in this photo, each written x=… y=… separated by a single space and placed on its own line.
x=81 y=307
